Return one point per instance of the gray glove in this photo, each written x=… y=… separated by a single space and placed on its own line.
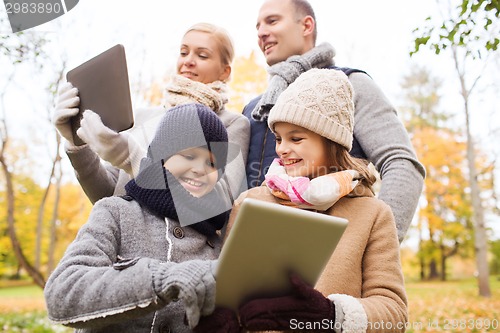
x=191 y=281
x=66 y=107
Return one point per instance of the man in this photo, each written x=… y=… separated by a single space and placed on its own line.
x=287 y=37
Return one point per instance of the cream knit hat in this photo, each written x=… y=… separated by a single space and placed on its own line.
x=320 y=100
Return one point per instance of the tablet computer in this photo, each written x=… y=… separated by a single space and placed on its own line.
x=267 y=242
x=103 y=87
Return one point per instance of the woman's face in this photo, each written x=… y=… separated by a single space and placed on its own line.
x=302 y=152
x=200 y=60
x=195 y=170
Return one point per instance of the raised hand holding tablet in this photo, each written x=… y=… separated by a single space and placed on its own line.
x=110 y=145
x=66 y=108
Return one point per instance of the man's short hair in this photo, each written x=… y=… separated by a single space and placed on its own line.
x=303 y=8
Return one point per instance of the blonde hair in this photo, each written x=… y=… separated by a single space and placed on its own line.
x=224 y=41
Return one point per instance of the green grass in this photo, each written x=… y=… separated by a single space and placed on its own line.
x=21 y=291
x=22 y=309
x=453 y=306
x=30 y=322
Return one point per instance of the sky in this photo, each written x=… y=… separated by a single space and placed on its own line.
x=372 y=35
x=375 y=36
x=365 y=33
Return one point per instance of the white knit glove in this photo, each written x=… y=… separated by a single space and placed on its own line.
x=66 y=107
x=119 y=149
x=191 y=281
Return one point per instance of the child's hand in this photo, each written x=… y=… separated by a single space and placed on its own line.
x=222 y=320
x=191 y=281
x=305 y=304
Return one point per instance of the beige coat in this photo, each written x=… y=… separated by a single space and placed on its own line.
x=364 y=276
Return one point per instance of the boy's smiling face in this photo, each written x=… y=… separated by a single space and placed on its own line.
x=195 y=170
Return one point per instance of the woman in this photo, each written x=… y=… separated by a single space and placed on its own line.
x=203 y=68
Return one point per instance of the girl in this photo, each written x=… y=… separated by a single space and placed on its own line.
x=362 y=287
x=137 y=254
x=203 y=67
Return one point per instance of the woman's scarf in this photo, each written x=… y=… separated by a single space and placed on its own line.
x=182 y=90
x=206 y=214
x=285 y=72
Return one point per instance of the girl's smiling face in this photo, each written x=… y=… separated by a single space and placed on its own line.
x=195 y=170
x=302 y=152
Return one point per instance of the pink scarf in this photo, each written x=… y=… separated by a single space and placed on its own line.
x=320 y=193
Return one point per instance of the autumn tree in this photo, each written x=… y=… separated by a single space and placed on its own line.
x=469 y=32
x=421 y=93
x=444 y=219
x=495 y=262
x=15 y=154
x=35 y=245
x=447 y=209
x=16 y=49
x=248 y=80
x=72 y=212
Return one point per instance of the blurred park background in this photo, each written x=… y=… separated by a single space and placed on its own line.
x=437 y=61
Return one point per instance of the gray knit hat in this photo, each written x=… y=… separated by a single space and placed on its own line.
x=320 y=100
x=187 y=126
x=182 y=127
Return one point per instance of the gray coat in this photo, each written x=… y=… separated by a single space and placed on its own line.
x=104 y=282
